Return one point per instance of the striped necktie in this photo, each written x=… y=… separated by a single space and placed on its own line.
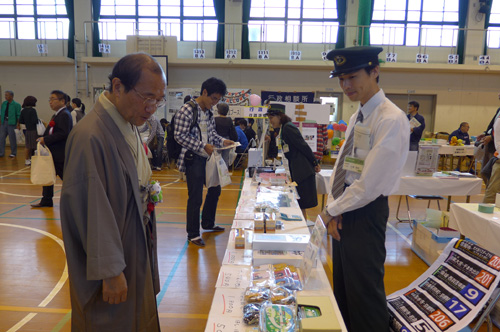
x=339 y=179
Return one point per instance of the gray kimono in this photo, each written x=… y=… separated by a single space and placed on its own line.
x=103 y=229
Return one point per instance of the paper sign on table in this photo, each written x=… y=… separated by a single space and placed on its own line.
x=234 y=277
x=237 y=257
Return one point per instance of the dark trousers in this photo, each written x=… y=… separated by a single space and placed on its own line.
x=358 y=268
x=413 y=146
x=48 y=191
x=195 y=178
x=158 y=153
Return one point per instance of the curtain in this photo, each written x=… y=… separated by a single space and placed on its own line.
x=245 y=45
x=220 y=13
x=96 y=14
x=486 y=25
x=365 y=12
x=341 y=13
x=70 y=10
x=462 y=18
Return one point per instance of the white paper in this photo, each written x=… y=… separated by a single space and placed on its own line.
x=234 y=277
x=237 y=257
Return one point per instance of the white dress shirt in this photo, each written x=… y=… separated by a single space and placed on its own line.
x=496 y=130
x=384 y=158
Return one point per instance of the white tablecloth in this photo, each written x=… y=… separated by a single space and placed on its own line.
x=482 y=228
x=418 y=185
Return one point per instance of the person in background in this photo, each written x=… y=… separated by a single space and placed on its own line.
x=272 y=151
x=357 y=216
x=107 y=216
x=302 y=162
x=415 y=128
x=155 y=141
x=164 y=123
x=78 y=111
x=461 y=133
x=249 y=132
x=9 y=121
x=54 y=138
x=493 y=185
x=486 y=141
x=187 y=98
x=241 y=125
x=29 y=118
x=198 y=144
x=69 y=104
x=225 y=128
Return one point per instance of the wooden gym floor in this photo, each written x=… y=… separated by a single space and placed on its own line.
x=34 y=293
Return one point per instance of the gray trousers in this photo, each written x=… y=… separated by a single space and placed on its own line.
x=6 y=129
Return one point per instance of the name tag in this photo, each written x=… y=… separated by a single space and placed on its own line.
x=286 y=149
x=353 y=164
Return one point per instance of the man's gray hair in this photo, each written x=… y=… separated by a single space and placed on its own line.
x=10 y=92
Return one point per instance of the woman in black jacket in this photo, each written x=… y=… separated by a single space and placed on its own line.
x=29 y=118
x=225 y=128
x=302 y=162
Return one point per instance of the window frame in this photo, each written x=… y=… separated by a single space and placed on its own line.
x=495 y=26
x=36 y=20
x=285 y=20
x=136 y=18
x=420 y=23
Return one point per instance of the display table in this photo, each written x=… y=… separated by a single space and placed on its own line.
x=482 y=228
x=418 y=185
x=226 y=312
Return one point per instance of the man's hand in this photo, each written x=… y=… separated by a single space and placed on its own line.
x=267 y=138
x=228 y=142
x=487 y=139
x=41 y=140
x=333 y=225
x=209 y=148
x=114 y=289
x=317 y=168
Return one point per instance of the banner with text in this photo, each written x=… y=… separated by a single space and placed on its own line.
x=289 y=97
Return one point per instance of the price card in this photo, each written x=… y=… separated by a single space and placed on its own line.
x=231 y=53
x=391 y=57
x=237 y=257
x=228 y=302
x=422 y=58
x=199 y=53
x=263 y=54
x=228 y=324
x=460 y=151
x=234 y=277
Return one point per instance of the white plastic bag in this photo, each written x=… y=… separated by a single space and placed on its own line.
x=43 y=171
x=232 y=156
x=223 y=173
x=19 y=136
x=211 y=172
x=40 y=128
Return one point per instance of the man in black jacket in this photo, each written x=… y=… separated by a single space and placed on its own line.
x=54 y=138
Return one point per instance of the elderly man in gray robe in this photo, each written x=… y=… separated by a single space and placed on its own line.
x=106 y=223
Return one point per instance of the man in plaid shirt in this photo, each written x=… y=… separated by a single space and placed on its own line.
x=197 y=145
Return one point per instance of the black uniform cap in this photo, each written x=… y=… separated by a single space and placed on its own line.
x=276 y=109
x=351 y=59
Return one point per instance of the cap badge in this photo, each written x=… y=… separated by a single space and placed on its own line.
x=339 y=60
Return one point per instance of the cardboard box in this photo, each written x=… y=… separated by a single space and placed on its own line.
x=261 y=257
x=428 y=244
x=271 y=241
x=327 y=322
x=239 y=239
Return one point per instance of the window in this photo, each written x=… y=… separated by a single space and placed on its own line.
x=493 y=36
x=33 y=19
x=415 y=22
x=189 y=20
x=293 y=21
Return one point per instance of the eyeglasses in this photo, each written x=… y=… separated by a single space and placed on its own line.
x=151 y=101
x=53 y=99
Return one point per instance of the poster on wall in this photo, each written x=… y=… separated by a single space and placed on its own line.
x=175 y=100
x=288 y=97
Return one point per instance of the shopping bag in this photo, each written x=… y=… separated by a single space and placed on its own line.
x=40 y=128
x=211 y=173
x=19 y=136
x=232 y=156
x=223 y=173
x=43 y=172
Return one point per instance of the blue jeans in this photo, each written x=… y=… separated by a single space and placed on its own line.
x=195 y=178
x=6 y=129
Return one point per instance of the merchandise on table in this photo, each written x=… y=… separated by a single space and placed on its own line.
x=263 y=276
x=282 y=295
x=257 y=294
x=292 y=257
x=276 y=241
x=251 y=313
x=277 y=318
x=239 y=238
x=287 y=276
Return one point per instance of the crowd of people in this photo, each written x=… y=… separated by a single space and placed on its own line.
x=110 y=236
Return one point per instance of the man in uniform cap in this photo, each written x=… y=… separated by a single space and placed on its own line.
x=367 y=171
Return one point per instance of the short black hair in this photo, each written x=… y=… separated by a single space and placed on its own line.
x=60 y=95
x=214 y=85
x=29 y=101
x=369 y=70
x=243 y=122
x=187 y=98
x=251 y=121
x=414 y=104
x=129 y=69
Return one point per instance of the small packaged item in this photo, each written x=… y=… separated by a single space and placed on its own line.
x=259 y=222
x=257 y=294
x=287 y=276
x=239 y=238
x=277 y=318
x=263 y=278
x=282 y=295
x=251 y=313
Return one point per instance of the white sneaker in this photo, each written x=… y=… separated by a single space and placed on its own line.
x=27 y=162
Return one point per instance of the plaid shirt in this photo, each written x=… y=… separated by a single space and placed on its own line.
x=191 y=140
